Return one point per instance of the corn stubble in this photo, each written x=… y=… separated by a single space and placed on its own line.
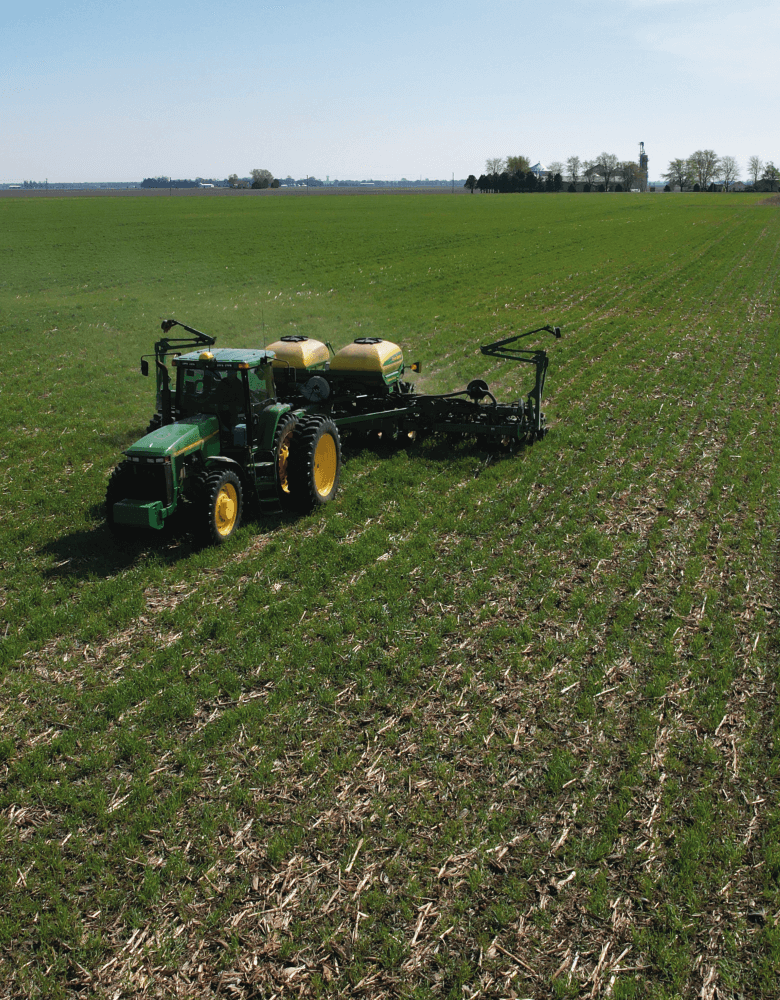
x=487 y=725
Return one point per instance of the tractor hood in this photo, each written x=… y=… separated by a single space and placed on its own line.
x=178 y=439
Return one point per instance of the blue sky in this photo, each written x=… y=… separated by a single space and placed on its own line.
x=119 y=91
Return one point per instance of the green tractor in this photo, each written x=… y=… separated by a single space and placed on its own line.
x=231 y=435
x=264 y=426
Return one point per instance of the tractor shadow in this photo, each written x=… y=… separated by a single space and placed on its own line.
x=97 y=552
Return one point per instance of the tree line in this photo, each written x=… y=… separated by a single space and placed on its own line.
x=701 y=171
x=513 y=173
x=259 y=180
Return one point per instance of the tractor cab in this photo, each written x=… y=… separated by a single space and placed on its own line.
x=233 y=385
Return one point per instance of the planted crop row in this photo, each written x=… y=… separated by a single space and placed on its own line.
x=498 y=723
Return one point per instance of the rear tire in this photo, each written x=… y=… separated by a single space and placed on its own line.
x=285 y=433
x=315 y=463
x=221 y=506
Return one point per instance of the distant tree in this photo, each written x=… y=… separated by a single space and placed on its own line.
x=557 y=181
x=556 y=167
x=667 y=188
x=261 y=178
x=755 y=168
x=530 y=181
x=494 y=165
x=607 y=166
x=574 y=166
x=696 y=187
x=504 y=182
x=629 y=173
x=728 y=171
x=703 y=165
x=515 y=164
x=679 y=173
x=233 y=181
x=275 y=182
x=586 y=186
x=483 y=183
x=471 y=183
x=590 y=169
x=771 y=175
x=572 y=188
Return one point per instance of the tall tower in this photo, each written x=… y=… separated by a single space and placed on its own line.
x=642 y=167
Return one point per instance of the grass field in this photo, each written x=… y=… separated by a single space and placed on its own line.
x=483 y=726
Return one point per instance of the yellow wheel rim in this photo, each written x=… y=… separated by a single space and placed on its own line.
x=284 y=454
x=226 y=509
x=326 y=463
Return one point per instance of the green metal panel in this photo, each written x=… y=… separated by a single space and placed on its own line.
x=179 y=439
x=140 y=514
x=226 y=357
x=268 y=422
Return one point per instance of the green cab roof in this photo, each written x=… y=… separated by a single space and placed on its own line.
x=225 y=357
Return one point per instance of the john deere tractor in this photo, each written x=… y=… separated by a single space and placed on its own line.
x=265 y=425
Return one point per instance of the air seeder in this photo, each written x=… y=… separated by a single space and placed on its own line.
x=266 y=425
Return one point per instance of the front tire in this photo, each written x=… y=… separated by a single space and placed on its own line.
x=315 y=463
x=221 y=506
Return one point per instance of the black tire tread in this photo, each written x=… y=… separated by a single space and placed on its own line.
x=286 y=500
x=206 y=505
x=308 y=432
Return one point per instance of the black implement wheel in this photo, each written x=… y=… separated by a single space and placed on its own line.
x=403 y=438
x=283 y=439
x=315 y=463
x=120 y=487
x=221 y=504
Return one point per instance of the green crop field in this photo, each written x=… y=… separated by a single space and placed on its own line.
x=483 y=726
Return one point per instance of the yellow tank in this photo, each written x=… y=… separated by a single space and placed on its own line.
x=370 y=354
x=299 y=352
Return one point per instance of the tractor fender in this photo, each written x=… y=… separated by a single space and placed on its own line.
x=269 y=421
x=224 y=462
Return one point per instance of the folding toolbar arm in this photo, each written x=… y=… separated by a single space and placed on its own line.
x=501 y=349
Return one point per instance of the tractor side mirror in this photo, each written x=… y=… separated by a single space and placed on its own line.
x=144 y=366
